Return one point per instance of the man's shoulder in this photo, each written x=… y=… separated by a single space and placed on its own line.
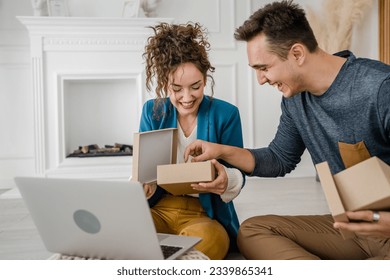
x=368 y=66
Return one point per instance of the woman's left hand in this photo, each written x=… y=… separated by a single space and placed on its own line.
x=219 y=185
x=365 y=225
x=149 y=189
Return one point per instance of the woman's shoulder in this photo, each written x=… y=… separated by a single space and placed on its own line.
x=152 y=105
x=149 y=103
x=219 y=103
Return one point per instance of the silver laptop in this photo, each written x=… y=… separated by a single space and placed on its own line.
x=97 y=219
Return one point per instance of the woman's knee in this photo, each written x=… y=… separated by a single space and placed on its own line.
x=215 y=240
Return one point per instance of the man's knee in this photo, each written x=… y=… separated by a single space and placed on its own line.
x=251 y=233
x=255 y=225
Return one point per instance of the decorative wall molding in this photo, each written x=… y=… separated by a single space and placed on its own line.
x=89 y=44
x=384 y=31
x=39 y=115
x=230 y=82
x=86 y=34
x=85 y=25
x=218 y=16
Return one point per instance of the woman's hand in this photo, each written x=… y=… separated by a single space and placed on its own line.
x=150 y=189
x=219 y=185
x=365 y=224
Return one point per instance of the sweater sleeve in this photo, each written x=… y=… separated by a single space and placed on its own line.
x=146 y=117
x=235 y=183
x=232 y=130
x=232 y=135
x=283 y=153
x=384 y=106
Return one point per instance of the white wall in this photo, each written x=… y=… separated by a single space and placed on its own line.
x=16 y=123
x=259 y=106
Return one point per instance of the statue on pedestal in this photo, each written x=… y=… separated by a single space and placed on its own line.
x=140 y=8
x=40 y=7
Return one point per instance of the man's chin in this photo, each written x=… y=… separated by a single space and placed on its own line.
x=288 y=94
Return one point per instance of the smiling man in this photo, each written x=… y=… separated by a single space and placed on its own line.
x=335 y=106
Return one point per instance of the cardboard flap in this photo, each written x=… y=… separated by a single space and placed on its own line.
x=329 y=187
x=333 y=198
x=365 y=185
x=150 y=149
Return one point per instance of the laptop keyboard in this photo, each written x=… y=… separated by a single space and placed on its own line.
x=169 y=250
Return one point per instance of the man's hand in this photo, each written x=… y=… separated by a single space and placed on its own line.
x=201 y=150
x=365 y=225
x=219 y=185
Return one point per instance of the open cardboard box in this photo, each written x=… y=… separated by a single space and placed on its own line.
x=365 y=185
x=154 y=160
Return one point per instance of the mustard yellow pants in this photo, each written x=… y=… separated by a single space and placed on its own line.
x=184 y=215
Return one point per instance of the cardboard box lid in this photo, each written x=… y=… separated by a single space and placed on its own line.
x=365 y=185
x=177 y=178
x=332 y=196
x=150 y=149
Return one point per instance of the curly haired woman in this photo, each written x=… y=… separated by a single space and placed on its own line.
x=177 y=64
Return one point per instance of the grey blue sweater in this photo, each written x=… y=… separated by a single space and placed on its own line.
x=356 y=107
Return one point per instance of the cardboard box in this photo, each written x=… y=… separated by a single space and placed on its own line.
x=150 y=149
x=177 y=178
x=365 y=185
x=154 y=160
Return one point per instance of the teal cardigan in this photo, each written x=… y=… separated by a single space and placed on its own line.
x=218 y=122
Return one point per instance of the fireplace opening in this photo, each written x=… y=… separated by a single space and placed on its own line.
x=95 y=150
x=101 y=111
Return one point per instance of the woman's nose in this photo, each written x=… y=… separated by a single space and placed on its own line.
x=186 y=93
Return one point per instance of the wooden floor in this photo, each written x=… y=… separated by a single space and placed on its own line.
x=19 y=239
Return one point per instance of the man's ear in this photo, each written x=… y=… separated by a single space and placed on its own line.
x=298 y=52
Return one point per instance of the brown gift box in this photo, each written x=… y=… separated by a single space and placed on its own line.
x=154 y=160
x=177 y=178
x=365 y=185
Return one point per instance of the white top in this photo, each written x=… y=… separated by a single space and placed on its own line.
x=235 y=179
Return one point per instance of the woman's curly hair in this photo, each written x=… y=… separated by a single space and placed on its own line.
x=169 y=47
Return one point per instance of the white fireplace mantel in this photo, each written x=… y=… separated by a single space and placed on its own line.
x=89 y=32
x=67 y=50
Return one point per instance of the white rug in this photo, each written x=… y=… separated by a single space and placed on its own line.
x=192 y=254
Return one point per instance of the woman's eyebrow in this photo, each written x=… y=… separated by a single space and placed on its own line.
x=197 y=82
